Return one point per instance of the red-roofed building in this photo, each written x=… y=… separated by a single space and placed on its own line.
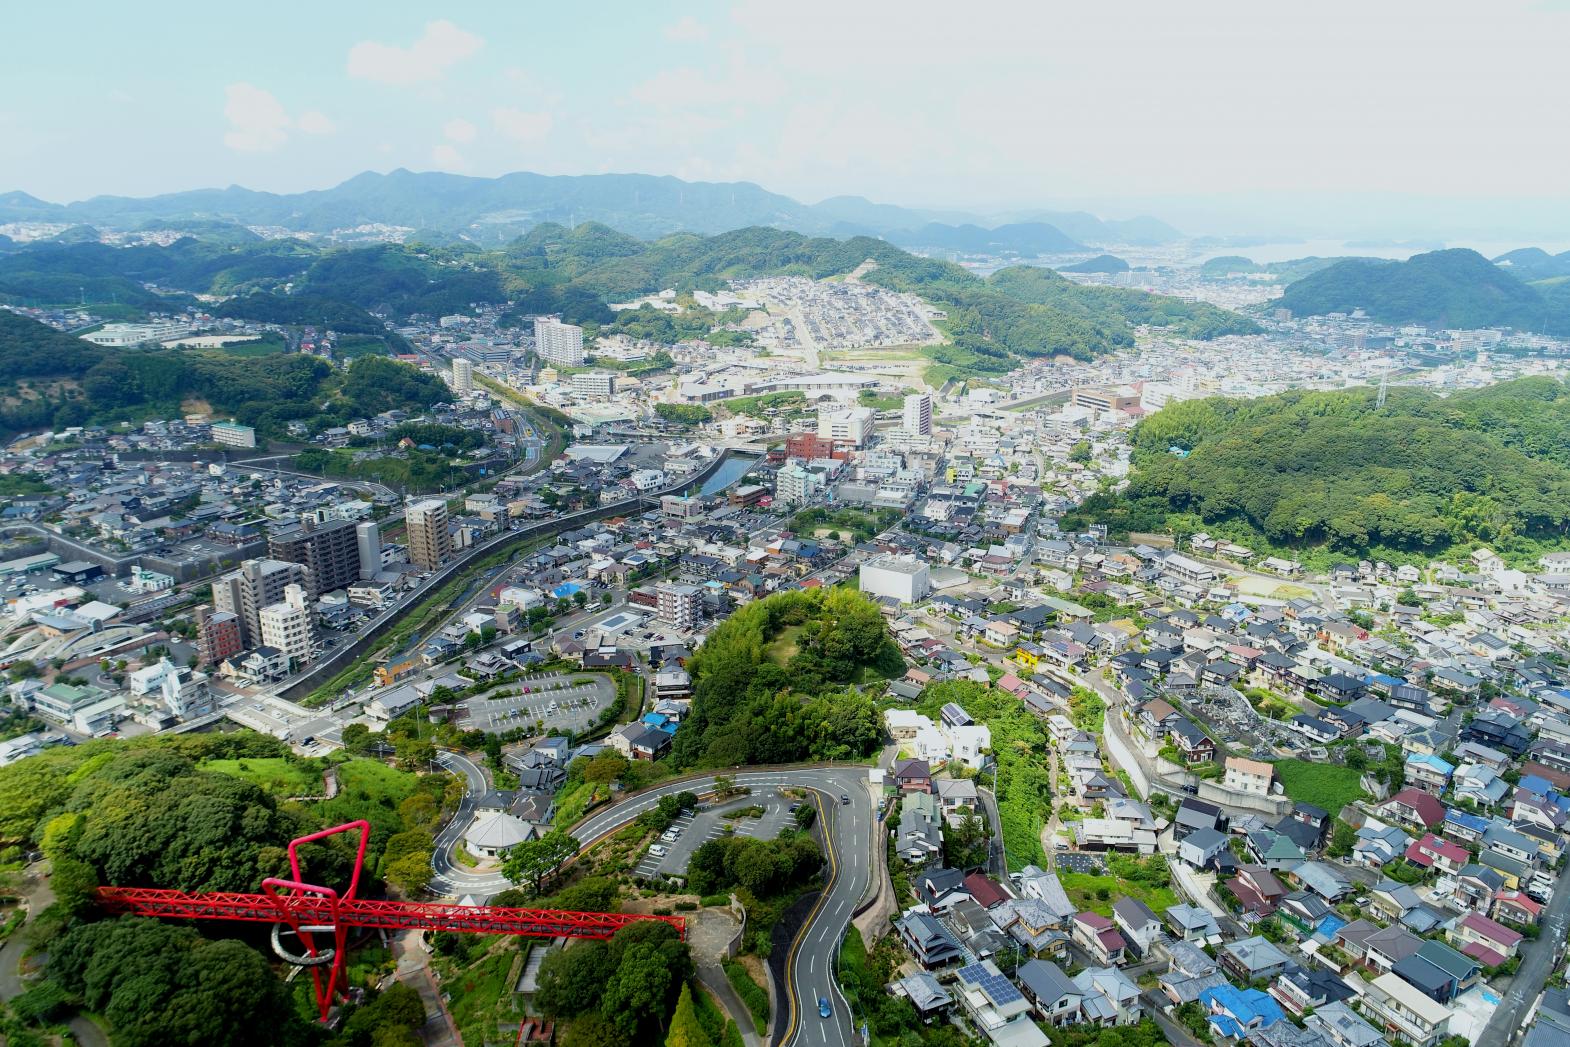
x=1435 y=852
x=986 y=892
x=1414 y=807
x=1013 y=685
x=1483 y=954
x=1516 y=908
x=1257 y=889
x=1099 y=937
x=1476 y=929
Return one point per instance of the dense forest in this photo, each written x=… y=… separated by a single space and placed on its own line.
x=1310 y=471
x=771 y=683
x=1457 y=288
x=52 y=380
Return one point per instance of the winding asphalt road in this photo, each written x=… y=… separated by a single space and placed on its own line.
x=847 y=827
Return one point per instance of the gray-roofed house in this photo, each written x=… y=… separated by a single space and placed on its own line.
x=1052 y=993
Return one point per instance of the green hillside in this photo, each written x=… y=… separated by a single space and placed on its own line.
x=1313 y=474
x=52 y=380
x=1015 y=313
x=1456 y=288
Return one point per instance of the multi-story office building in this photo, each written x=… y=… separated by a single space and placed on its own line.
x=679 y=605
x=257 y=584
x=599 y=385
x=430 y=543
x=288 y=627
x=918 y=414
x=329 y=551
x=795 y=484
x=368 y=544
x=558 y=343
x=853 y=424
x=905 y=578
x=462 y=377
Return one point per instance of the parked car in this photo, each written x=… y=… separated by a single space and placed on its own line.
x=659 y=850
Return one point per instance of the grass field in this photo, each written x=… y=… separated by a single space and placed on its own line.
x=267 y=345
x=1082 y=890
x=783 y=647
x=379 y=782
x=1321 y=784
x=279 y=776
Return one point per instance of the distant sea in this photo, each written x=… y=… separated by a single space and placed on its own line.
x=1266 y=253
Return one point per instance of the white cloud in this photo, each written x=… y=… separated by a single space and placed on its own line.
x=521 y=126
x=447 y=158
x=257 y=120
x=312 y=122
x=460 y=130
x=441 y=45
x=687 y=30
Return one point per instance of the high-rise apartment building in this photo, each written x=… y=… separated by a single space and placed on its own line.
x=368 y=543
x=918 y=414
x=462 y=377
x=679 y=605
x=598 y=385
x=328 y=550
x=558 y=343
x=289 y=627
x=425 y=523
x=257 y=584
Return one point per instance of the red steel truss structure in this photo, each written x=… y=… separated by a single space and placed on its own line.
x=310 y=911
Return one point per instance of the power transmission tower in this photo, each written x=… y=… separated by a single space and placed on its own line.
x=1384 y=387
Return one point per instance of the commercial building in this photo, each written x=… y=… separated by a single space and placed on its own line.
x=1105 y=401
x=368 y=548
x=232 y=434
x=597 y=385
x=679 y=605
x=430 y=543
x=85 y=708
x=462 y=377
x=288 y=627
x=257 y=584
x=904 y=578
x=558 y=343
x=329 y=551
x=853 y=425
x=918 y=414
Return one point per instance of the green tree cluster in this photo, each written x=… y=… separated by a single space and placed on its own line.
x=749 y=709
x=764 y=867
x=622 y=991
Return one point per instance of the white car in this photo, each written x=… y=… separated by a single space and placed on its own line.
x=659 y=851
x=670 y=835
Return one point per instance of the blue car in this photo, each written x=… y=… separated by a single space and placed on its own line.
x=823 y=1007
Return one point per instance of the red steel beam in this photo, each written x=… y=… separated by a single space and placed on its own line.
x=309 y=909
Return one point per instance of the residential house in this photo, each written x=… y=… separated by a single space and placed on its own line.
x=996 y=1006
x=1193 y=923
x=1052 y=993
x=1251 y=958
x=1138 y=924
x=928 y=940
x=913 y=776
x=1341 y=1026
x=1484 y=940
x=1199 y=848
x=1401 y=1011
x=1098 y=937
x=1109 y=997
x=1435 y=852
x=1415 y=808
x=1235 y=1013
x=1385 y=948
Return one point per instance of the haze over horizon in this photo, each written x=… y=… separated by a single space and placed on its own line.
x=1333 y=120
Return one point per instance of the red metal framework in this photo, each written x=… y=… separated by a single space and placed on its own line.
x=308 y=911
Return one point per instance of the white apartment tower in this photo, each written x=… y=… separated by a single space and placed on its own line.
x=368 y=540
x=918 y=414
x=288 y=627
x=558 y=343
x=854 y=424
x=462 y=377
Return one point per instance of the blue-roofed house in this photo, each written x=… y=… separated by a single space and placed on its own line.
x=1462 y=825
x=1235 y=1012
x=1429 y=772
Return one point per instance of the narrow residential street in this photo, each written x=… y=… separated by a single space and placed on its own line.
x=1537 y=961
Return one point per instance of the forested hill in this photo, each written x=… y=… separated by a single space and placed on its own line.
x=1450 y=289
x=1020 y=312
x=1314 y=474
x=53 y=380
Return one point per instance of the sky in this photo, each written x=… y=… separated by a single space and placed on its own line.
x=1327 y=117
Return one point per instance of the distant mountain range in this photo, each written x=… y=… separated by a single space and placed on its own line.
x=1534 y=263
x=1458 y=288
x=442 y=206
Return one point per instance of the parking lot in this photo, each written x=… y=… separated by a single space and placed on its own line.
x=695 y=828
x=565 y=702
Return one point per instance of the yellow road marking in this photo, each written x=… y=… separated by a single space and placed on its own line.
x=828 y=888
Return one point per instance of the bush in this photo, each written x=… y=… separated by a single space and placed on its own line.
x=686 y=906
x=711 y=900
x=751 y=993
